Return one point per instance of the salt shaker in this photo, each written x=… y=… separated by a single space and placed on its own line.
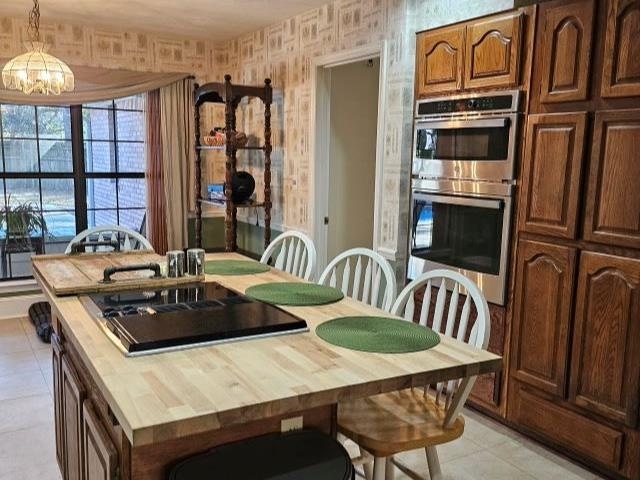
x=175 y=263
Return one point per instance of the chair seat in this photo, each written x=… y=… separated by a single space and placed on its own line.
x=395 y=422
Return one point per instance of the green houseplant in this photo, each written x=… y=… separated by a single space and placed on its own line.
x=19 y=222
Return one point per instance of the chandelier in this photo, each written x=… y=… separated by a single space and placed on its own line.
x=36 y=71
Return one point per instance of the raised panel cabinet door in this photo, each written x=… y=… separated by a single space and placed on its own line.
x=565 y=51
x=605 y=366
x=439 y=62
x=542 y=315
x=552 y=173
x=73 y=395
x=101 y=457
x=56 y=364
x=621 y=74
x=612 y=213
x=493 y=52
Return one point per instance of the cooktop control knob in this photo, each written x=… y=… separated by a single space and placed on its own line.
x=473 y=103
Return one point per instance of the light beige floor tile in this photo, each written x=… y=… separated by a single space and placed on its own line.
x=43 y=356
x=10 y=326
x=41 y=471
x=482 y=466
x=26 y=412
x=26 y=448
x=539 y=462
x=484 y=431
x=22 y=385
x=18 y=362
x=12 y=340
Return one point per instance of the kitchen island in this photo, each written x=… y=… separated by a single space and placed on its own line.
x=132 y=418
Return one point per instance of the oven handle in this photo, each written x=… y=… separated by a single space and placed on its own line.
x=494 y=204
x=466 y=123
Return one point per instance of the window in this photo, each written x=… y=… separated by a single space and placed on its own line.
x=45 y=174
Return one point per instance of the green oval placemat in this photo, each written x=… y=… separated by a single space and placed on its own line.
x=294 y=293
x=234 y=267
x=377 y=334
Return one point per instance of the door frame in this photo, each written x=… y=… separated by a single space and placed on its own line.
x=320 y=137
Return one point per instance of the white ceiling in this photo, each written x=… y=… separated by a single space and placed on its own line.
x=216 y=20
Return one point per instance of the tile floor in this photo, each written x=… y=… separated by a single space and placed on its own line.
x=487 y=450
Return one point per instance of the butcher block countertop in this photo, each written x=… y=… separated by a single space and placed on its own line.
x=172 y=395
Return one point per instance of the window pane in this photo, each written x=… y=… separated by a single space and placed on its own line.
x=61 y=227
x=132 y=218
x=54 y=122
x=18 y=121
x=58 y=194
x=56 y=156
x=130 y=125
x=132 y=192
x=131 y=157
x=97 y=218
x=97 y=124
x=21 y=155
x=21 y=191
x=131 y=103
x=100 y=157
x=101 y=193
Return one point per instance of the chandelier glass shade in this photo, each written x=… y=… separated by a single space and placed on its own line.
x=36 y=71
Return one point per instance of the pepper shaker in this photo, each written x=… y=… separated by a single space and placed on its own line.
x=195 y=261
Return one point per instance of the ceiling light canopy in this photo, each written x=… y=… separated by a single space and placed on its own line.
x=36 y=71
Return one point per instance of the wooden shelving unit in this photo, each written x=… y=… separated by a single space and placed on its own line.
x=230 y=96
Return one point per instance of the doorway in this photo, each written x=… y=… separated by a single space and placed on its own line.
x=347 y=138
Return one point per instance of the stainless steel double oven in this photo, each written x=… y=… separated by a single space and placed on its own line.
x=463 y=178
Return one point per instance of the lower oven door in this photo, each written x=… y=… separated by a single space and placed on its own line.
x=462 y=233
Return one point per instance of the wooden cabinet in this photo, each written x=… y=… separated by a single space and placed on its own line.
x=56 y=364
x=574 y=432
x=73 y=395
x=565 y=36
x=612 y=213
x=100 y=456
x=493 y=52
x=605 y=372
x=621 y=67
x=439 y=61
x=481 y=54
x=542 y=315
x=552 y=174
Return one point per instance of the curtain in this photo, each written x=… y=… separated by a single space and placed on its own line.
x=156 y=207
x=178 y=157
x=93 y=84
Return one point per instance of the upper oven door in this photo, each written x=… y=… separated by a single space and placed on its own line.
x=474 y=148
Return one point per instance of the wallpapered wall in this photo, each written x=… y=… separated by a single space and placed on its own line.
x=283 y=52
x=86 y=45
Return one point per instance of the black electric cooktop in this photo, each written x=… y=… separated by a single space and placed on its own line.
x=148 y=321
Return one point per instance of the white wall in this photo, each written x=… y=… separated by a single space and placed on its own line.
x=352 y=154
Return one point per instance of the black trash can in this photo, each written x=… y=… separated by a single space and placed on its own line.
x=298 y=455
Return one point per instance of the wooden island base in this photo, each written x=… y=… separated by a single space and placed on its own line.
x=91 y=432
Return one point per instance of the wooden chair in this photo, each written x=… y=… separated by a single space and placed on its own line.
x=370 y=278
x=294 y=253
x=127 y=238
x=390 y=423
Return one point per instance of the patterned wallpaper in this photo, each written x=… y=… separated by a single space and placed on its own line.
x=284 y=51
x=85 y=45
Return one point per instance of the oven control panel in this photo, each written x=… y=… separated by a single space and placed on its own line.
x=502 y=102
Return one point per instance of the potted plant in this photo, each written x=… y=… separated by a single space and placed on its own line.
x=19 y=222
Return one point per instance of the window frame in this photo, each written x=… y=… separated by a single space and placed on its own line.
x=78 y=174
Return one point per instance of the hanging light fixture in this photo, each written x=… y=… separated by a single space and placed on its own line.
x=36 y=71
